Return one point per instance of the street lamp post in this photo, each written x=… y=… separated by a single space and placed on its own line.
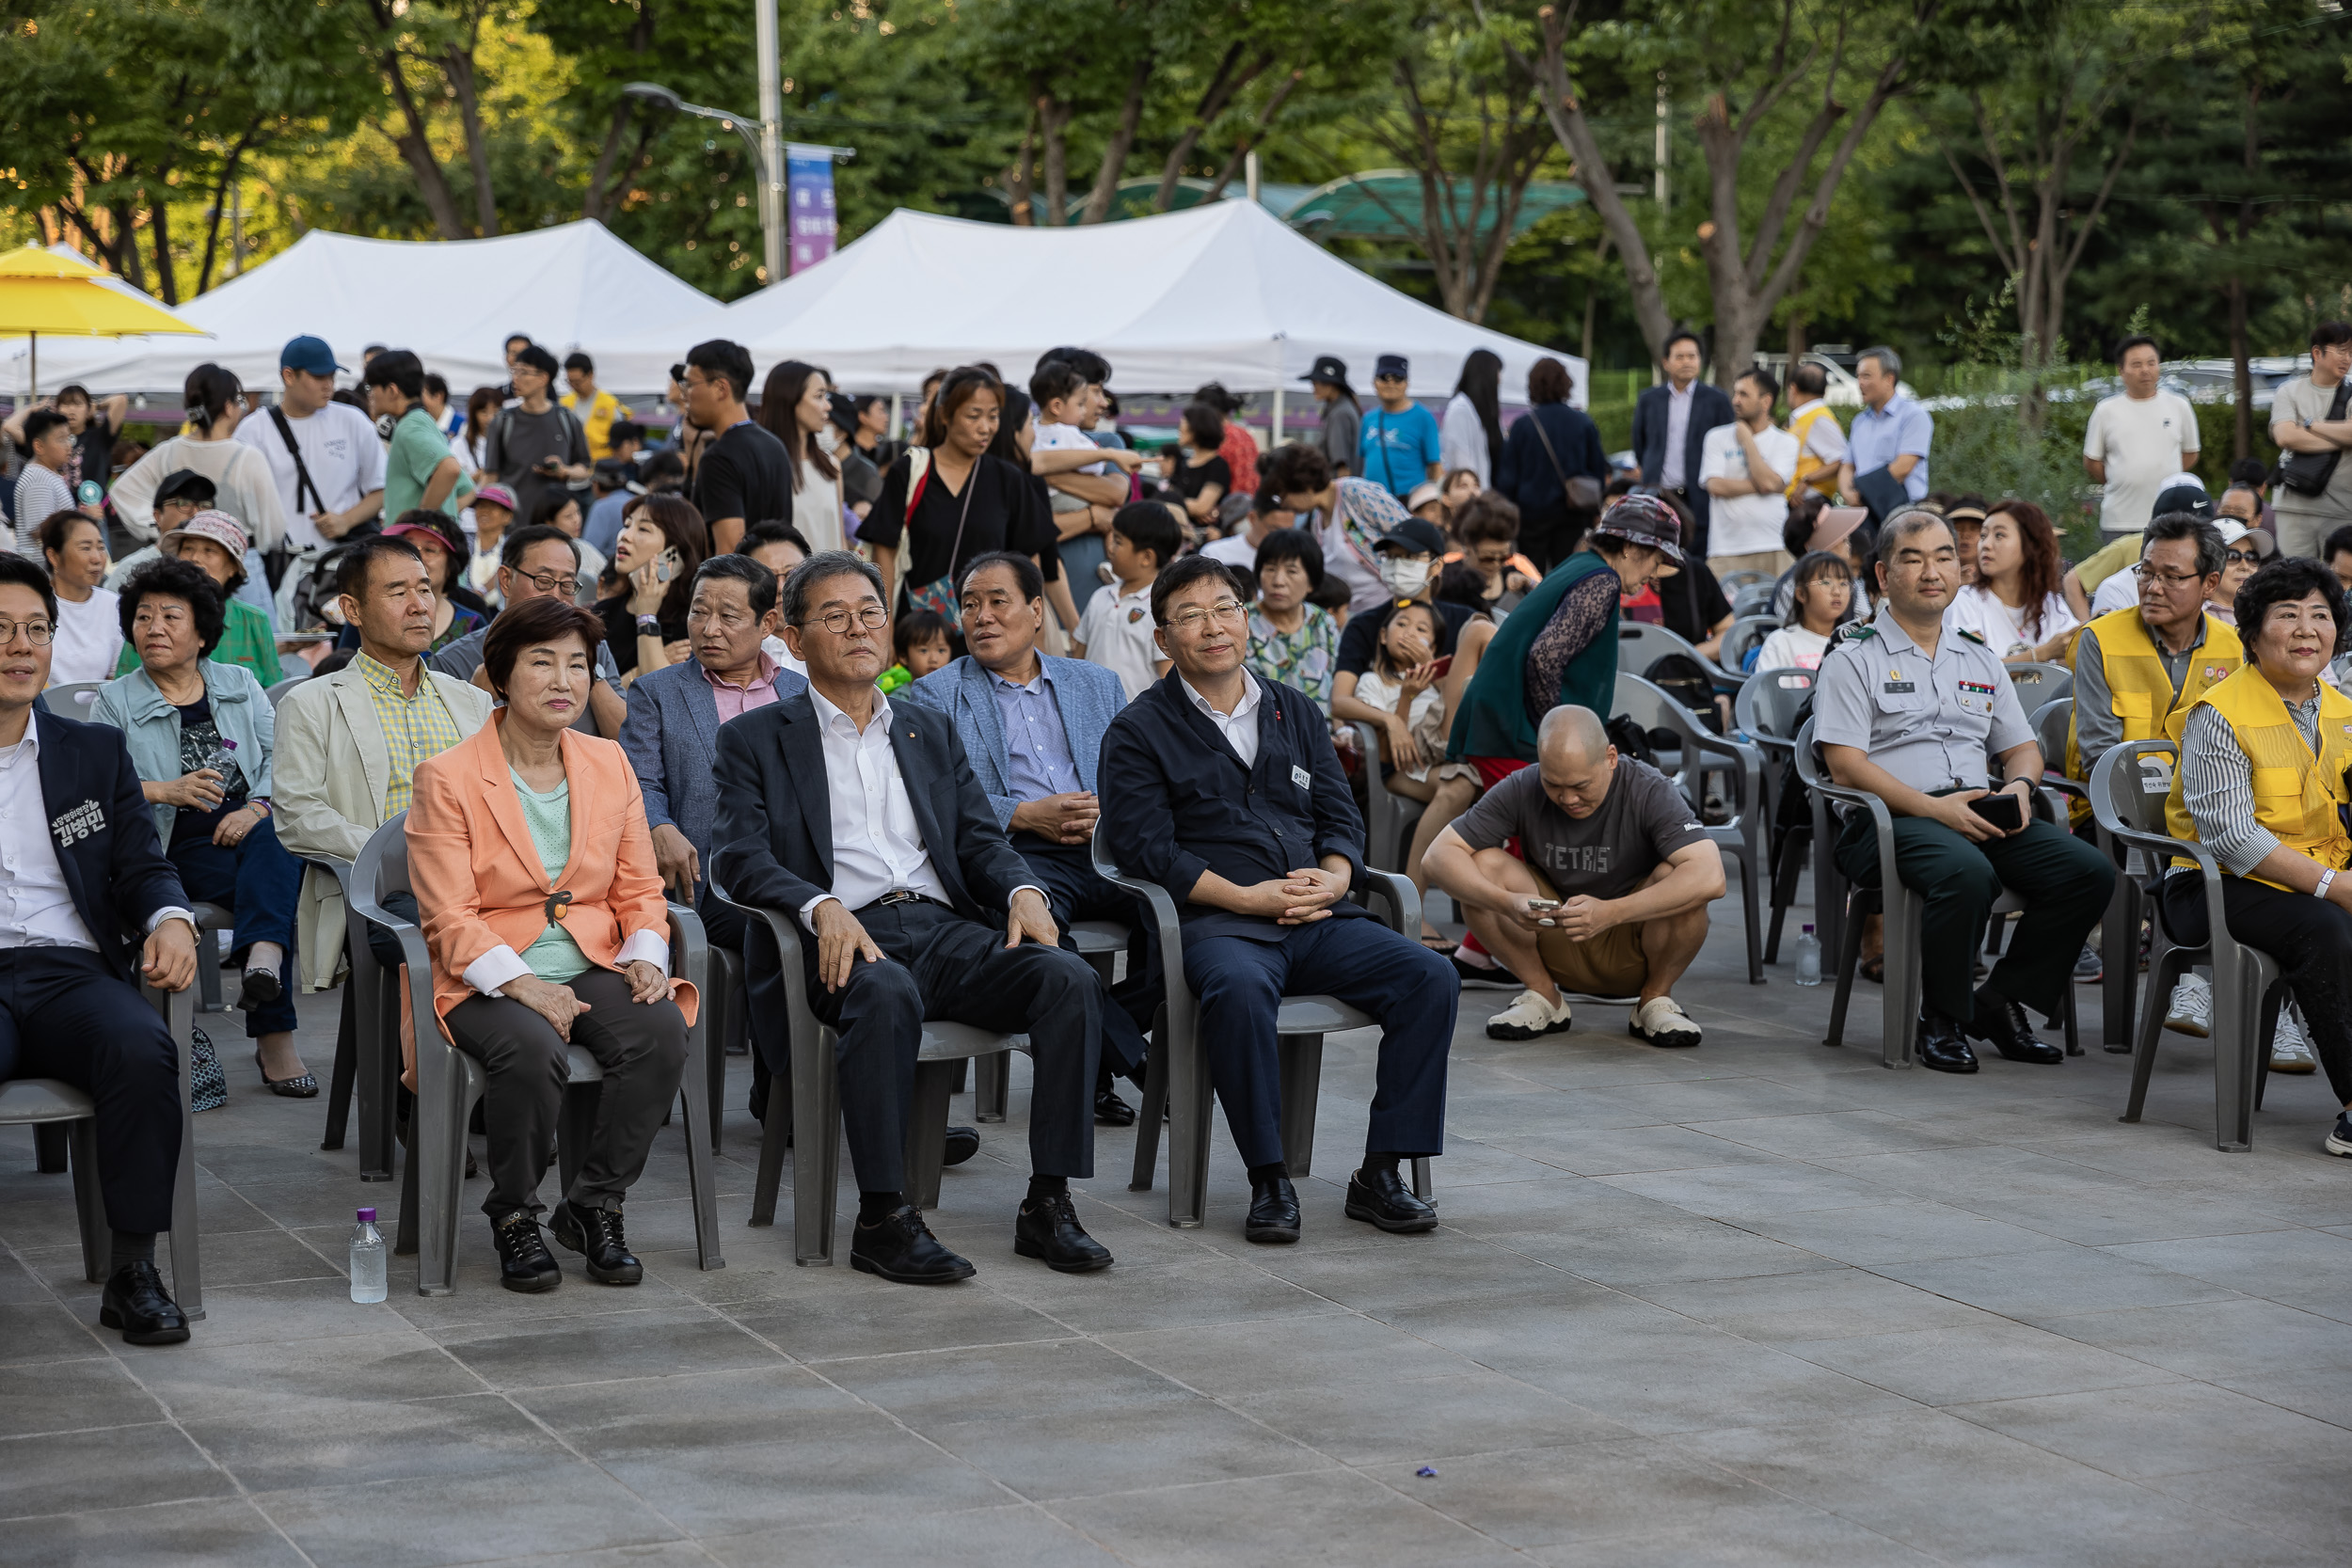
x=765 y=143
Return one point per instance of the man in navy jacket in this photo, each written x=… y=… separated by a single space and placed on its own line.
x=1670 y=426
x=1223 y=788
x=78 y=864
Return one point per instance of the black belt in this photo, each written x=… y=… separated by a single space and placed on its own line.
x=907 y=895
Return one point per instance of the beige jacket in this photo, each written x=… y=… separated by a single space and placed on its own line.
x=331 y=775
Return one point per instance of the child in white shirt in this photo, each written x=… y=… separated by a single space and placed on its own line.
x=1823 y=586
x=1116 y=630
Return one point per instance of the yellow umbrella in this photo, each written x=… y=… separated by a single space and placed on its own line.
x=44 y=292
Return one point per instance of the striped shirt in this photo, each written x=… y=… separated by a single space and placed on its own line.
x=2218 y=786
x=415 y=728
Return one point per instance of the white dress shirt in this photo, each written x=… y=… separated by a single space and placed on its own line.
x=877 y=848
x=1240 y=727
x=35 y=907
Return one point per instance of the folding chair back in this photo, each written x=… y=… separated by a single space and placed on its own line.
x=1741 y=767
x=2038 y=683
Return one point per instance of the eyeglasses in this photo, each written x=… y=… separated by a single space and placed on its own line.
x=545 y=582
x=873 y=617
x=1193 y=619
x=2242 y=558
x=2174 y=579
x=36 y=632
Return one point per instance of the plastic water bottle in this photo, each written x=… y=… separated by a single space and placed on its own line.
x=1808 y=958
x=367 y=1259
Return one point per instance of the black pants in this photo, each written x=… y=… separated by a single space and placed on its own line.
x=641 y=1048
x=938 y=965
x=2064 y=881
x=2311 y=938
x=1076 y=890
x=65 y=1014
x=1550 y=534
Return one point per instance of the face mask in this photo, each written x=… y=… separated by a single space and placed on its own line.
x=828 y=436
x=1403 y=577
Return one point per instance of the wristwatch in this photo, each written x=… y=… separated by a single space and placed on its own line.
x=649 y=626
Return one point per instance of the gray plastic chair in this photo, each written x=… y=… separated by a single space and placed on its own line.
x=1390 y=822
x=2119 y=929
x=450 y=1083
x=367 y=1063
x=75 y=699
x=64 y=1122
x=1765 y=714
x=2128 y=791
x=1742 y=839
x=1178 y=1075
x=1643 y=643
x=1902 y=908
x=804 y=1104
x=2040 y=684
x=276 y=693
x=1743 y=636
x=1740 y=581
x=1754 y=599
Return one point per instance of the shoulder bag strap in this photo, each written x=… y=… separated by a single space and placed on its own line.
x=302 y=472
x=1535 y=417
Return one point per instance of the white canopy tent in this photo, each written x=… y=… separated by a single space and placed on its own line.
x=454 y=302
x=1222 y=293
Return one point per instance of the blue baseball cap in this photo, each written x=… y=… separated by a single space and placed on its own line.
x=310 y=355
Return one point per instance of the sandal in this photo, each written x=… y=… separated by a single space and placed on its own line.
x=301 y=1087
x=1439 y=944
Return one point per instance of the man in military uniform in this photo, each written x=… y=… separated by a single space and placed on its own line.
x=1909 y=710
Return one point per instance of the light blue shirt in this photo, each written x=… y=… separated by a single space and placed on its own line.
x=1036 y=750
x=1398 y=447
x=1878 y=438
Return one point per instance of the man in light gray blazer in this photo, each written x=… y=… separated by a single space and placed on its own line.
x=1032 y=727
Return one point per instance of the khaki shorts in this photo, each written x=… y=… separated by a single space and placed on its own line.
x=1769 y=563
x=1612 y=964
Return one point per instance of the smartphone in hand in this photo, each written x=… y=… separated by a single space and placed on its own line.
x=2005 y=812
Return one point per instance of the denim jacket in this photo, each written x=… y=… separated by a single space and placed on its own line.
x=151 y=727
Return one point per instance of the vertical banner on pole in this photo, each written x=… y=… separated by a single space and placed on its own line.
x=808 y=195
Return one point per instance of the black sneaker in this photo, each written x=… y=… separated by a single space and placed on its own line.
x=2339 y=1139
x=525 y=1264
x=2090 y=969
x=595 y=1235
x=1492 y=977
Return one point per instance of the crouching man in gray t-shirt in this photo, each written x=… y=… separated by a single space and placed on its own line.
x=1616 y=844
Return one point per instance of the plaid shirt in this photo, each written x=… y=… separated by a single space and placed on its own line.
x=415 y=728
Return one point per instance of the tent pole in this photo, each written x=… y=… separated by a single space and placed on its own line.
x=1277 y=431
x=33 y=375
x=897 y=417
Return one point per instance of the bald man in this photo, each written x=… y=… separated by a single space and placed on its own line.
x=1612 y=897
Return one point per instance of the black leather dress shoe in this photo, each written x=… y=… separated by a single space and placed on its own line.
x=135 y=1302
x=2002 y=1023
x=1111 y=1111
x=595 y=1235
x=962 y=1143
x=900 y=1248
x=525 y=1264
x=1273 y=1209
x=1047 y=1230
x=1941 y=1048
x=1381 y=1197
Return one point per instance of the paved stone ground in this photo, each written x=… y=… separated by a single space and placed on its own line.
x=1758 y=1302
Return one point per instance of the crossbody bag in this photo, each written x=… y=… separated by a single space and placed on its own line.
x=940 y=597
x=1583 y=491
x=2307 y=473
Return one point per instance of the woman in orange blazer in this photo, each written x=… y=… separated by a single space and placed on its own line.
x=534 y=875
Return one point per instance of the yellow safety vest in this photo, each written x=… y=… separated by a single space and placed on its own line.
x=2142 y=691
x=1800 y=422
x=596 y=421
x=2296 y=796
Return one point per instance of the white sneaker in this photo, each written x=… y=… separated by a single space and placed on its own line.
x=1529 y=1017
x=1662 y=1021
x=2191 y=1011
x=2290 y=1046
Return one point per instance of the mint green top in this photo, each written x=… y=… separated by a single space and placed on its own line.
x=555 y=956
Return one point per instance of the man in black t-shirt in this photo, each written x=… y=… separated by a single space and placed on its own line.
x=1611 y=898
x=745 y=476
x=536 y=446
